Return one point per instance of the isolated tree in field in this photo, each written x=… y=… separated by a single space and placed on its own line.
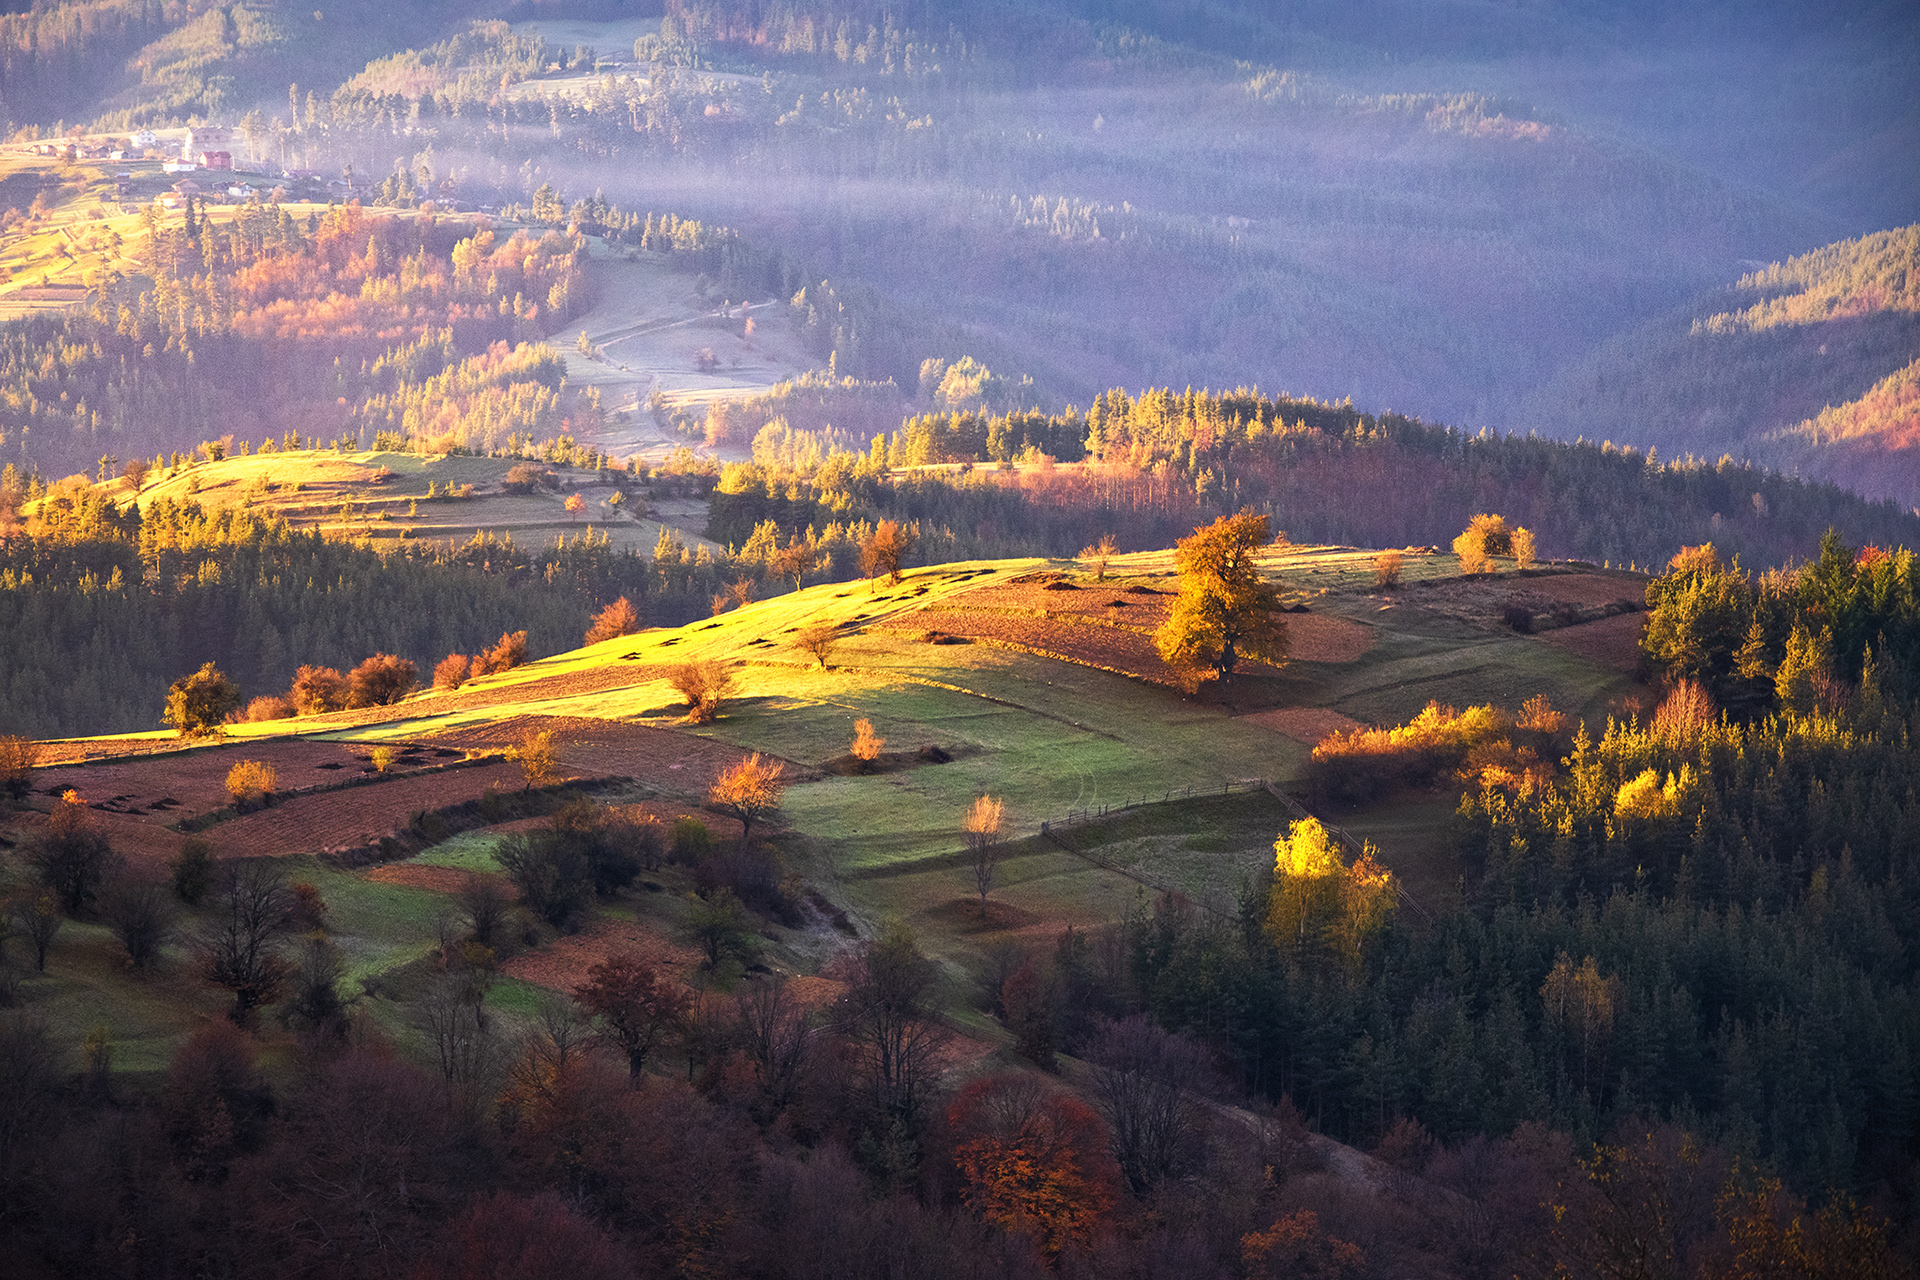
x=618 y=619
x=196 y=704
x=575 y=504
x=818 y=639
x=318 y=690
x=380 y=681
x=637 y=1008
x=1224 y=612
x=1386 y=570
x=537 y=757
x=250 y=781
x=70 y=857
x=749 y=790
x=1099 y=554
x=983 y=843
x=885 y=550
x=704 y=684
x=523 y=477
x=867 y=744
x=240 y=948
x=1485 y=537
x=451 y=672
x=18 y=756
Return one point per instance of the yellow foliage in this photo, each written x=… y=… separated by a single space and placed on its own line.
x=1318 y=895
x=251 y=780
x=1647 y=798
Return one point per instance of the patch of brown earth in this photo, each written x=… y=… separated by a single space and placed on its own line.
x=1303 y=724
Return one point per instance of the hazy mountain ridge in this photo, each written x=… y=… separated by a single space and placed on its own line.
x=1806 y=364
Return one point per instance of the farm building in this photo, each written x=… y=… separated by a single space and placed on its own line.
x=216 y=160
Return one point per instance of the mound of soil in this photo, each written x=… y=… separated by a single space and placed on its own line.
x=849 y=766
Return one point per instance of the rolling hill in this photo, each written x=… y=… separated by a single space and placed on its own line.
x=1805 y=366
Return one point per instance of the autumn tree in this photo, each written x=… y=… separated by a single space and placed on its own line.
x=1033 y=1158
x=704 y=684
x=1319 y=901
x=575 y=504
x=1386 y=569
x=1485 y=537
x=867 y=745
x=251 y=781
x=1224 y=611
x=240 y=948
x=318 y=690
x=508 y=652
x=1523 y=549
x=1296 y=1247
x=982 y=827
x=793 y=561
x=535 y=754
x=452 y=671
x=71 y=858
x=380 y=681
x=1580 y=1006
x=749 y=790
x=618 y=619
x=886 y=549
x=1699 y=613
x=18 y=756
x=635 y=1006
x=818 y=639
x=196 y=704
x=1098 y=554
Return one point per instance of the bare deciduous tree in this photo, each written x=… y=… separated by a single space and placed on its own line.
x=704 y=684
x=983 y=843
x=773 y=1032
x=818 y=639
x=1141 y=1083
x=240 y=949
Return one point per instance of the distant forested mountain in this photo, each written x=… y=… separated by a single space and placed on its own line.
x=1809 y=365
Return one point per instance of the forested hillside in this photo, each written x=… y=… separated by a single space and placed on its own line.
x=1806 y=364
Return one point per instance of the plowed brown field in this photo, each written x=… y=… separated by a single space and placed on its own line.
x=1303 y=724
x=1611 y=642
x=565 y=962
x=678 y=762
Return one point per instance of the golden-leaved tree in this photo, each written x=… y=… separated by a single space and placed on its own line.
x=1225 y=612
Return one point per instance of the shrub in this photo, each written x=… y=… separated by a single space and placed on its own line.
x=618 y=619
x=381 y=758
x=704 y=684
x=538 y=760
x=380 y=681
x=552 y=873
x=452 y=671
x=192 y=870
x=1485 y=537
x=250 y=782
x=689 y=840
x=1364 y=764
x=1386 y=570
x=70 y=858
x=318 y=690
x=18 y=756
x=523 y=477
x=271 y=706
x=867 y=744
x=507 y=653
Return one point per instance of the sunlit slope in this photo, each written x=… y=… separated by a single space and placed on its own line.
x=385 y=497
x=1799 y=365
x=1025 y=720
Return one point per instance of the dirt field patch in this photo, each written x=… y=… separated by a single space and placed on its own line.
x=165 y=789
x=676 y=762
x=565 y=963
x=1613 y=642
x=1303 y=724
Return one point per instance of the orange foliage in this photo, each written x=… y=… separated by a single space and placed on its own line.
x=1035 y=1159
